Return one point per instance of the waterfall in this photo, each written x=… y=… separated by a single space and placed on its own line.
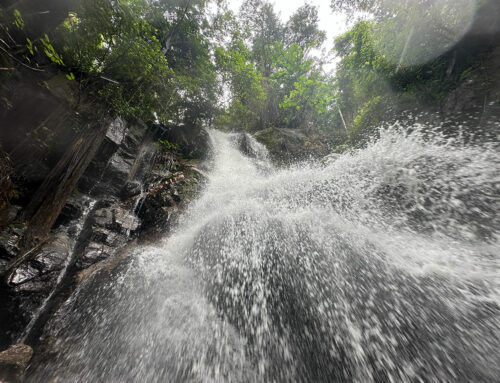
x=377 y=265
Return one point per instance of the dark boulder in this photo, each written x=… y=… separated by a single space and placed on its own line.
x=288 y=145
x=110 y=171
x=164 y=202
x=117 y=131
x=193 y=141
x=110 y=227
x=131 y=189
x=115 y=175
x=244 y=145
x=94 y=252
x=39 y=273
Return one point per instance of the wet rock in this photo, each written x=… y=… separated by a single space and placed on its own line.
x=131 y=189
x=28 y=282
x=9 y=213
x=144 y=160
x=3 y=265
x=245 y=145
x=94 y=252
x=117 y=218
x=9 y=239
x=54 y=254
x=103 y=218
x=23 y=274
x=41 y=270
x=133 y=139
x=131 y=161
x=163 y=203
x=73 y=210
x=39 y=286
x=110 y=170
x=117 y=173
x=107 y=264
x=193 y=141
x=176 y=196
x=106 y=201
x=13 y=362
x=126 y=220
x=117 y=131
x=110 y=228
x=106 y=236
x=17 y=356
x=287 y=145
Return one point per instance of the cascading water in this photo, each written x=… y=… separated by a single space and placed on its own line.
x=373 y=266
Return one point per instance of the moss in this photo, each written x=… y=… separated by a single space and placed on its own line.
x=267 y=137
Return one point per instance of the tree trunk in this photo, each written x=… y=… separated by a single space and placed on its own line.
x=51 y=196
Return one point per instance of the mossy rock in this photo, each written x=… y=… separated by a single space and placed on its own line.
x=289 y=145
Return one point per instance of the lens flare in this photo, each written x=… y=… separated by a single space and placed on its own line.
x=424 y=30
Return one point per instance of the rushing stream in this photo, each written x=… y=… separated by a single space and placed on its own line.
x=374 y=266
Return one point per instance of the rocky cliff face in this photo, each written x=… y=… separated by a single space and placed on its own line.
x=131 y=191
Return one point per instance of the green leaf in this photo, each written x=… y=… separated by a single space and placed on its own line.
x=29 y=46
x=18 y=19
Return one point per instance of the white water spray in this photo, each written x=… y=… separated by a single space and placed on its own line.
x=377 y=265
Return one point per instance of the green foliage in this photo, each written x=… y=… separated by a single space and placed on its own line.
x=302 y=28
x=245 y=83
x=18 y=19
x=368 y=117
x=49 y=50
x=31 y=48
x=150 y=60
x=272 y=81
x=115 y=50
x=163 y=61
x=184 y=37
x=388 y=66
x=311 y=98
x=363 y=75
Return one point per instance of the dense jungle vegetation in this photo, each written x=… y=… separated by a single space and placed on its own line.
x=170 y=61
